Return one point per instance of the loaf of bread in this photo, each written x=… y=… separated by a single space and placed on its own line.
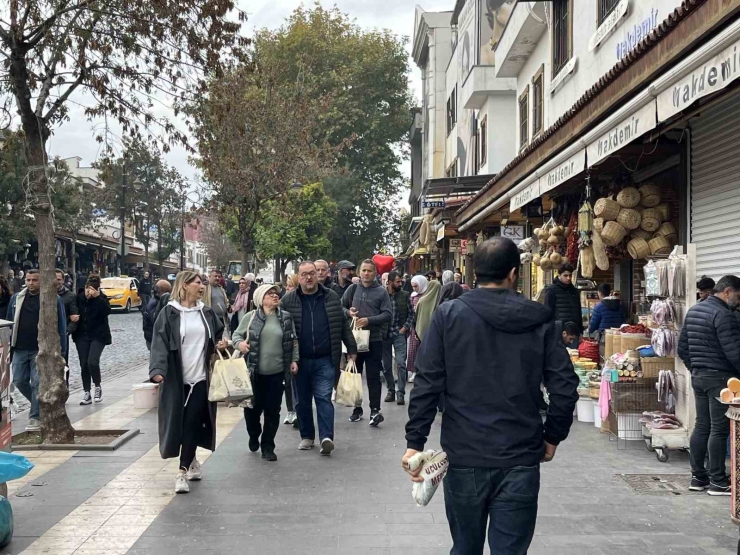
x=726 y=395
x=734 y=385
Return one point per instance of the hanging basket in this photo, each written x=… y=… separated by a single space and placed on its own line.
x=659 y=245
x=642 y=234
x=664 y=210
x=585 y=217
x=613 y=234
x=650 y=194
x=629 y=219
x=607 y=209
x=598 y=226
x=651 y=219
x=668 y=230
x=638 y=248
x=629 y=197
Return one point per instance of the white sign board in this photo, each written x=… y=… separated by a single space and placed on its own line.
x=711 y=76
x=526 y=195
x=563 y=74
x=609 y=24
x=513 y=232
x=623 y=133
x=441 y=233
x=563 y=172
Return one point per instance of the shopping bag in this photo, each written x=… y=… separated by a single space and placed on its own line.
x=13 y=466
x=434 y=468
x=362 y=337
x=349 y=389
x=230 y=379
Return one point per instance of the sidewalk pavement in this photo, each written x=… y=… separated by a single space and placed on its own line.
x=358 y=501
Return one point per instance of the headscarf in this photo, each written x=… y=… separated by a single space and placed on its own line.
x=422 y=283
x=242 y=299
x=449 y=292
x=259 y=294
x=425 y=308
x=447 y=277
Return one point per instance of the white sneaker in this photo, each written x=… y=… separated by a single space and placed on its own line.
x=306 y=445
x=33 y=425
x=327 y=446
x=290 y=418
x=181 y=483
x=412 y=375
x=98 y=398
x=195 y=472
x=293 y=418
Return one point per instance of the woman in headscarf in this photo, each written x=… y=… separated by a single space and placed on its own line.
x=241 y=304
x=447 y=277
x=266 y=336
x=425 y=308
x=420 y=285
x=449 y=292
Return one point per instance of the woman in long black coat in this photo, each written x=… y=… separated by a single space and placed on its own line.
x=186 y=335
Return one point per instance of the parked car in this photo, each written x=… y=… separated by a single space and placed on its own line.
x=122 y=292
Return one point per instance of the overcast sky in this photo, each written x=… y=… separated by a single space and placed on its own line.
x=76 y=138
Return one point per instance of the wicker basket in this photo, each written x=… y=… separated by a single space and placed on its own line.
x=613 y=234
x=594 y=389
x=650 y=195
x=598 y=225
x=638 y=248
x=651 y=219
x=642 y=234
x=632 y=341
x=607 y=208
x=609 y=338
x=653 y=365
x=629 y=219
x=664 y=210
x=629 y=197
x=668 y=230
x=659 y=245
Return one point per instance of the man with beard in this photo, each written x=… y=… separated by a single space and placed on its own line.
x=402 y=320
x=345 y=269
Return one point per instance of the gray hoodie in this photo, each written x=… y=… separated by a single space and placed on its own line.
x=372 y=303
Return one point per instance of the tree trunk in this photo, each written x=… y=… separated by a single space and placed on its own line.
x=281 y=270
x=247 y=248
x=53 y=392
x=4 y=265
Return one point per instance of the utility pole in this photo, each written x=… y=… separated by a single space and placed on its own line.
x=122 y=251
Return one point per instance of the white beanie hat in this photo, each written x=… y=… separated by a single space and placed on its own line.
x=261 y=291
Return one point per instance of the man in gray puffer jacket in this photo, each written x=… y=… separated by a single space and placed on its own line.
x=369 y=302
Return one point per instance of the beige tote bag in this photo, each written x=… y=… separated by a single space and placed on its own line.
x=230 y=379
x=349 y=389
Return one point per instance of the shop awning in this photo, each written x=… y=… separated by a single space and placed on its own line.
x=421 y=251
x=444 y=187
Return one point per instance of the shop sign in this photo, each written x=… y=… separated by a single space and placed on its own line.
x=622 y=134
x=563 y=74
x=609 y=24
x=714 y=75
x=563 y=172
x=638 y=32
x=525 y=196
x=432 y=203
x=513 y=232
x=441 y=233
x=455 y=245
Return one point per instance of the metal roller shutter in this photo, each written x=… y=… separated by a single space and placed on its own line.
x=715 y=189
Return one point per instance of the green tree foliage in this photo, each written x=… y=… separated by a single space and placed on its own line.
x=295 y=226
x=366 y=73
x=16 y=225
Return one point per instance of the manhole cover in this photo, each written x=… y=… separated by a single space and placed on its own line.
x=657 y=484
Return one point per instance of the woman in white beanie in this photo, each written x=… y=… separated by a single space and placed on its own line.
x=266 y=336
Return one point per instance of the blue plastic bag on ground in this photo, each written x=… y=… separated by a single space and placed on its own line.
x=6 y=522
x=13 y=466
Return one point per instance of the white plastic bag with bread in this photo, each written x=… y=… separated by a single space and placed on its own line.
x=434 y=468
x=731 y=394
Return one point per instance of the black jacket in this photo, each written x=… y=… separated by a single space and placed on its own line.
x=4 y=302
x=565 y=303
x=488 y=352
x=93 y=322
x=338 y=323
x=710 y=339
x=145 y=286
x=338 y=289
x=149 y=317
x=69 y=300
x=165 y=360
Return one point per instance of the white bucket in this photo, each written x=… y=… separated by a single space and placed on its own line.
x=629 y=426
x=146 y=395
x=585 y=409
x=597 y=414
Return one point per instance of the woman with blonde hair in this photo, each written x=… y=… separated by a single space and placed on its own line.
x=186 y=335
x=291 y=283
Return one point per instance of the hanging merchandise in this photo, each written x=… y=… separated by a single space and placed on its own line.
x=602 y=260
x=652 y=285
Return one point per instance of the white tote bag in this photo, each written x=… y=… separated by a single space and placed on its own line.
x=349 y=388
x=230 y=379
x=362 y=337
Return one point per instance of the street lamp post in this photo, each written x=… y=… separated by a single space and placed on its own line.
x=194 y=197
x=122 y=246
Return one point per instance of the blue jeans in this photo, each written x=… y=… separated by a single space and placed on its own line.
x=504 y=499
x=397 y=343
x=26 y=378
x=315 y=380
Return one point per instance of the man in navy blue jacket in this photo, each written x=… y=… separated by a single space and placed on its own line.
x=488 y=352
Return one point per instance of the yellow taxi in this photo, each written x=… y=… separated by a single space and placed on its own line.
x=122 y=292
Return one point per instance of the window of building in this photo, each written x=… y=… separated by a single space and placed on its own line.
x=538 y=102
x=452 y=111
x=484 y=141
x=561 y=34
x=524 y=118
x=605 y=8
x=452 y=169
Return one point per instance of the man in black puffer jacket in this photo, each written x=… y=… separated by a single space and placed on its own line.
x=564 y=299
x=321 y=327
x=710 y=347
